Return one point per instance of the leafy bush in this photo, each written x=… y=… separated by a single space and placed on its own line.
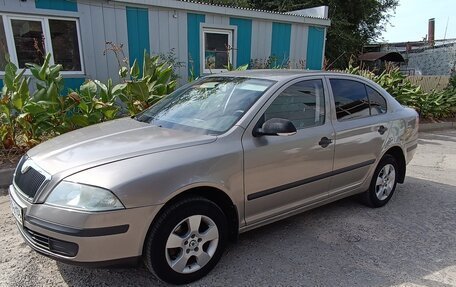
x=452 y=82
x=433 y=105
x=26 y=119
x=17 y=108
x=141 y=90
x=269 y=63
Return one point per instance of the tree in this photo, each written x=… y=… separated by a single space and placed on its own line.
x=354 y=23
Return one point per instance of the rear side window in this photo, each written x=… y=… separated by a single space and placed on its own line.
x=377 y=102
x=354 y=100
x=350 y=98
x=302 y=103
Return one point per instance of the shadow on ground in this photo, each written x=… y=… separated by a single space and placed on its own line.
x=412 y=240
x=443 y=135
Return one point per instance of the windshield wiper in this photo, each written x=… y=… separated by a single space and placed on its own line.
x=143 y=118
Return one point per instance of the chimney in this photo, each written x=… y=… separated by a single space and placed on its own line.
x=431 y=32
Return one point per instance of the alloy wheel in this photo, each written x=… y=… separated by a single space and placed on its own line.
x=385 y=182
x=192 y=244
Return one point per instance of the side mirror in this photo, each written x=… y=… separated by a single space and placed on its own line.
x=276 y=127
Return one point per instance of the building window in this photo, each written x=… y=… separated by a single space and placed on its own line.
x=3 y=45
x=65 y=44
x=218 y=49
x=27 y=39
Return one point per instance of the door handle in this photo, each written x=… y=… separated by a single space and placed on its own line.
x=324 y=142
x=382 y=130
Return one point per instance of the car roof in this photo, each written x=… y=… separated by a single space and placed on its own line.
x=278 y=75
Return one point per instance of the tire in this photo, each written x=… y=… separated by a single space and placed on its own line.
x=383 y=183
x=186 y=241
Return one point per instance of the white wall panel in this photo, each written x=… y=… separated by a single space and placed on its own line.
x=298 y=46
x=261 y=39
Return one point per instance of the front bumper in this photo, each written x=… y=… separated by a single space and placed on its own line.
x=84 y=238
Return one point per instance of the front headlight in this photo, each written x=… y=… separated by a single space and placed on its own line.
x=83 y=197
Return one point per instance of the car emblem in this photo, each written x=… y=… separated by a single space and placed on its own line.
x=25 y=167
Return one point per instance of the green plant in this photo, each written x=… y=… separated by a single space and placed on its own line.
x=21 y=117
x=171 y=59
x=28 y=119
x=66 y=112
x=94 y=103
x=269 y=63
x=141 y=90
x=452 y=82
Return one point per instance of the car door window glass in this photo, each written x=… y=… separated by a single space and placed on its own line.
x=377 y=102
x=302 y=103
x=350 y=98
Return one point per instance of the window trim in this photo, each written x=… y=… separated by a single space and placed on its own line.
x=7 y=17
x=366 y=84
x=380 y=94
x=216 y=30
x=320 y=100
x=256 y=120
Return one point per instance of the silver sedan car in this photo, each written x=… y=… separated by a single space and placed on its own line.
x=218 y=157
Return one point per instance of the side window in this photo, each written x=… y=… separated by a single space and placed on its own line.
x=377 y=102
x=302 y=103
x=350 y=98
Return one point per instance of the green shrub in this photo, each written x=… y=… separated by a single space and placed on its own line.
x=16 y=109
x=26 y=119
x=141 y=90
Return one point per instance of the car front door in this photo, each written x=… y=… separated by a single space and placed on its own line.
x=361 y=125
x=282 y=173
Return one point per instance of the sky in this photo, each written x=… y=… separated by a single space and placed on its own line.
x=410 y=21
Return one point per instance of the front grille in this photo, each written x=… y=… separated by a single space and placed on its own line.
x=39 y=239
x=30 y=181
x=51 y=244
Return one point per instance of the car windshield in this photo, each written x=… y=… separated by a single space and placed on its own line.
x=209 y=106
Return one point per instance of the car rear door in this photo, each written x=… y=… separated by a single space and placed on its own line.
x=282 y=173
x=361 y=125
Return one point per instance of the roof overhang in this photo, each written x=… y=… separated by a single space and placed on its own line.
x=382 y=56
x=199 y=7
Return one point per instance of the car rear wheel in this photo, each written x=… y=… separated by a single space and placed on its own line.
x=186 y=241
x=383 y=182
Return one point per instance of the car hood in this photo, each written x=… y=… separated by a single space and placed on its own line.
x=108 y=142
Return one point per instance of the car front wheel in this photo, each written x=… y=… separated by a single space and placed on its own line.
x=186 y=241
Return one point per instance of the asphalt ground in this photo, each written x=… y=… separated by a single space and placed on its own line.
x=409 y=242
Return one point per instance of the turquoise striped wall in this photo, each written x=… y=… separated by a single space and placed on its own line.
x=138 y=34
x=315 y=44
x=244 y=40
x=63 y=5
x=281 y=39
x=193 y=41
x=72 y=83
